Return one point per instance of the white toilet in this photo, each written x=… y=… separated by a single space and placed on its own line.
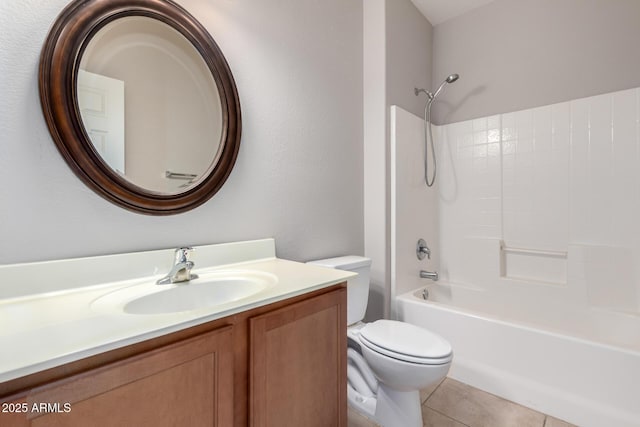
x=388 y=361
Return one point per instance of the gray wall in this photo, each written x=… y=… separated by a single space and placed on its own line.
x=409 y=42
x=298 y=177
x=374 y=153
x=517 y=54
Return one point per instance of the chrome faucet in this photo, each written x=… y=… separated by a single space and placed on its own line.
x=181 y=270
x=433 y=275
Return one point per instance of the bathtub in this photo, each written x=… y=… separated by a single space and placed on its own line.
x=579 y=365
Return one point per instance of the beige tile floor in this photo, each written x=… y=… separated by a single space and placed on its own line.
x=455 y=404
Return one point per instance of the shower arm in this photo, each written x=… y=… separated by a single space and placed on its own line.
x=418 y=91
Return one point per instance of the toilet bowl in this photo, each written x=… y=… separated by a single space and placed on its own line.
x=388 y=361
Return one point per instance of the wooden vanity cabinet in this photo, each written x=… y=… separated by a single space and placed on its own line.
x=183 y=384
x=283 y=364
x=298 y=371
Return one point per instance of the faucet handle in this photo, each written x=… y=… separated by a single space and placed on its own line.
x=182 y=254
x=422 y=250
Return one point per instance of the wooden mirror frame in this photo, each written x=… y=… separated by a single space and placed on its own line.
x=59 y=63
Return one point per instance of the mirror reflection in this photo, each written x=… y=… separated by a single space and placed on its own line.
x=150 y=105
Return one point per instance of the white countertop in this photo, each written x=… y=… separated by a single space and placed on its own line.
x=41 y=329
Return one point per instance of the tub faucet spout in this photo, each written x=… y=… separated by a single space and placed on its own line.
x=181 y=270
x=433 y=275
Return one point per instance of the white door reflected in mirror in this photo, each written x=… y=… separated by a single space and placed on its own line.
x=101 y=103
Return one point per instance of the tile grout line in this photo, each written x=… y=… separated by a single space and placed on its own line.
x=435 y=410
x=449 y=417
x=510 y=402
x=423 y=402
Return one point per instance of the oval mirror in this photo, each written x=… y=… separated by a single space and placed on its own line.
x=141 y=103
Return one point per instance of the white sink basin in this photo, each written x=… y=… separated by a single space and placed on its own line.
x=209 y=290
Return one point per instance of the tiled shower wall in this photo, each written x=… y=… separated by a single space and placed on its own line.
x=551 y=195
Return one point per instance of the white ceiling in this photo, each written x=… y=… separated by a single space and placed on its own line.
x=438 y=11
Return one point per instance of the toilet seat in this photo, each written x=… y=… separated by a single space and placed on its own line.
x=406 y=342
x=406 y=358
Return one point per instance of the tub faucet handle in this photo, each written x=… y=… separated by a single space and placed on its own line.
x=422 y=250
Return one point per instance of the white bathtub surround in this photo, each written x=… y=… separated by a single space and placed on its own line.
x=546 y=197
x=50 y=312
x=559 y=182
x=413 y=215
x=536 y=224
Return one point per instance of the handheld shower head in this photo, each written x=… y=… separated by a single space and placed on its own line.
x=450 y=79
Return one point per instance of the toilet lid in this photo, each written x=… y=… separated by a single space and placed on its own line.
x=406 y=341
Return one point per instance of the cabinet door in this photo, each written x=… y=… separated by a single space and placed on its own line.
x=298 y=368
x=189 y=383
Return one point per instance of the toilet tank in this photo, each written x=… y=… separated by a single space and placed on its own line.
x=357 y=287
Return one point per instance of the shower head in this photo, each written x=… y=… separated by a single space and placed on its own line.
x=450 y=79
